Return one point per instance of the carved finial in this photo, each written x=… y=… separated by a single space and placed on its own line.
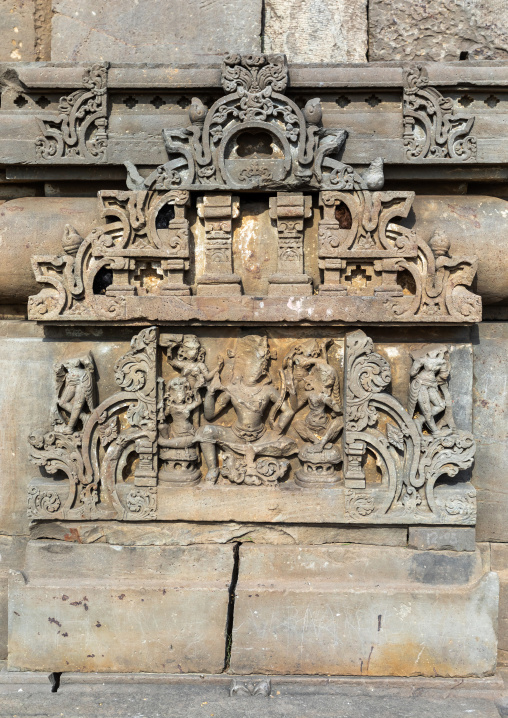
x=313 y=112
x=71 y=240
x=439 y=243
x=197 y=111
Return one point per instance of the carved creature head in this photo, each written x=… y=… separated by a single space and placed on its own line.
x=431 y=358
x=178 y=393
x=191 y=349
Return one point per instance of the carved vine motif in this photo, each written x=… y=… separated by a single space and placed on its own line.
x=255 y=137
x=182 y=418
x=412 y=277
x=433 y=129
x=79 y=132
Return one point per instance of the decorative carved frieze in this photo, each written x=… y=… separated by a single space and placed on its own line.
x=255 y=137
x=134 y=266
x=433 y=129
x=79 y=133
x=362 y=252
x=310 y=419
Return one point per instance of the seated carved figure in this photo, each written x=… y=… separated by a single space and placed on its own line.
x=250 y=392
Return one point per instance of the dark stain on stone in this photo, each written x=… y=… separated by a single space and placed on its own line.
x=65 y=598
x=441 y=568
x=379 y=622
x=53 y=620
x=121 y=596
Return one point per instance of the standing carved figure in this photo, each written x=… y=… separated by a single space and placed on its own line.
x=322 y=393
x=75 y=393
x=190 y=362
x=250 y=392
x=429 y=389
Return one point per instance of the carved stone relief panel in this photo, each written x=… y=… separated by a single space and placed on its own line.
x=144 y=264
x=324 y=427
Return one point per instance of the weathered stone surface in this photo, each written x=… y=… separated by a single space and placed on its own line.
x=154 y=30
x=490 y=426
x=441 y=538
x=35 y=225
x=12 y=557
x=141 y=695
x=499 y=563
x=317 y=31
x=114 y=608
x=184 y=534
x=363 y=611
x=436 y=30
x=474 y=225
x=17 y=30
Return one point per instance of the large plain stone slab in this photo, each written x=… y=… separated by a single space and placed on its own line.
x=317 y=30
x=179 y=533
x=153 y=30
x=17 y=30
x=115 y=608
x=358 y=610
x=437 y=30
x=490 y=427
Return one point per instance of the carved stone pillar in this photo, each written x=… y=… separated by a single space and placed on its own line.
x=330 y=236
x=289 y=210
x=218 y=211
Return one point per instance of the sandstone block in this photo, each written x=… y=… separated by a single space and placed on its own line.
x=317 y=31
x=436 y=30
x=359 y=610
x=114 y=608
x=442 y=538
x=12 y=557
x=490 y=427
x=178 y=533
x=153 y=30
x=17 y=30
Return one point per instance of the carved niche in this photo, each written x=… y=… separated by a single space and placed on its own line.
x=310 y=420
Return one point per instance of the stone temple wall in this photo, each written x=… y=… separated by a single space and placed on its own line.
x=253 y=345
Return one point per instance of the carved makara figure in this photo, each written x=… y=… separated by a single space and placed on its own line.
x=429 y=389
x=250 y=392
x=75 y=393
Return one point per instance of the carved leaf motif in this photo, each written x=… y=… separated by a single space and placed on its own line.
x=108 y=430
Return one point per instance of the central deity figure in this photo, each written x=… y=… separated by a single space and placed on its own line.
x=250 y=392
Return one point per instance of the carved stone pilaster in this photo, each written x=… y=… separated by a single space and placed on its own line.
x=289 y=210
x=218 y=212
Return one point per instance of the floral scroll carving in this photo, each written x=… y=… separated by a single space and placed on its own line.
x=80 y=130
x=433 y=129
x=317 y=417
x=255 y=137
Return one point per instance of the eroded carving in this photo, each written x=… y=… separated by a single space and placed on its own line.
x=433 y=129
x=80 y=130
